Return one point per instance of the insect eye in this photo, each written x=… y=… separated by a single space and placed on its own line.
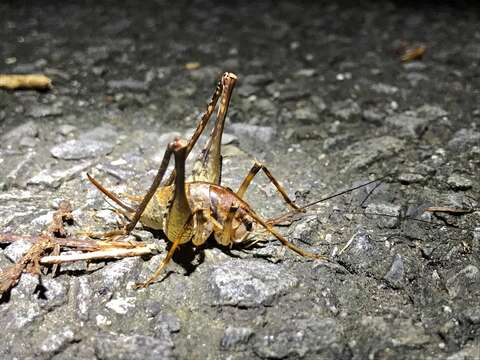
x=248 y=225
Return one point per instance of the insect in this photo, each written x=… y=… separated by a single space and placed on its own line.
x=194 y=210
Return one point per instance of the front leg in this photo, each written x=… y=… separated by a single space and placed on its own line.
x=179 y=212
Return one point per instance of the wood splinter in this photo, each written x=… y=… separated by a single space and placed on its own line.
x=25 y=82
x=110 y=254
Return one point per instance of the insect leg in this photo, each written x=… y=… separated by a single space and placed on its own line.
x=280 y=237
x=163 y=264
x=251 y=174
x=208 y=167
x=155 y=184
x=178 y=240
x=179 y=211
x=225 y=236
x=201 y=125
x=109 y=194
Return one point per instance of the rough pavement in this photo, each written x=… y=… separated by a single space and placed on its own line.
x=325 y=102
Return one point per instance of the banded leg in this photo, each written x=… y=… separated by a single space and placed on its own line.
x=225 y=237
x=208 y=167
x=251 y=174
x=202 y=124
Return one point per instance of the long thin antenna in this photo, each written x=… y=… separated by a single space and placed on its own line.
x=291 y=213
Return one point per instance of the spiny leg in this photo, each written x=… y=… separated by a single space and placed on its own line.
x=208 y=167
x=280 y=237
x=251 y=174
x=201 y=125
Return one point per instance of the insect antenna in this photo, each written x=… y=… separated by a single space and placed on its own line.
x=290 y=214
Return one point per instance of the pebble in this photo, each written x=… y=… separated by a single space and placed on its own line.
x=319 y=103
x=431 y=112
x=364 y=153
x=305 y=73
x=255 y=132
x=472 y=314
x=104 y=132
x=115 y=274
x=17 y=249
x=299 y=337
x=265 y=106
x=306 y=113
x=83 y=292
x=235 y=337
x=27 y=130
x=57 y=341
x=463 y=282
x=228 y=139
x=128 y=84
x=409 y=124
x=168 y=321
x=248 y=283
x=468 y=352
x=384 y=89
x=464 y=139
x=391 y=212
x=415 y=122
x=415 y=77
x=345 y=110
x=114 y=346
x=81 y=149
x=287 y=92
x=411 y=178
x=373 y=116
x=247 y=90
x=257 y=79
x=414 y=65
x=27 y=142
x=121 y=305
x=54 y=178
x=54 y=293
x=361 y=253
x=459 y=182
x=39 y=111
x=395 y=276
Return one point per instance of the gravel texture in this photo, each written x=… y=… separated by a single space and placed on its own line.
x=325 y=102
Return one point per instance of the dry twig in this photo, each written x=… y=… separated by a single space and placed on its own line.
x=29 y=82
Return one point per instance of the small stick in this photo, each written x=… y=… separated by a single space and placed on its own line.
x=450 y=210
x=69 y=242
x=32 y=81
x=114 y=253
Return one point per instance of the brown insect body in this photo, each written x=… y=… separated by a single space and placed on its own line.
x=193 y=211
x=214 y=201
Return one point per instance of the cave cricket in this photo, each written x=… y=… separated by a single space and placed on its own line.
x=185 y=210
x=194 y=210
